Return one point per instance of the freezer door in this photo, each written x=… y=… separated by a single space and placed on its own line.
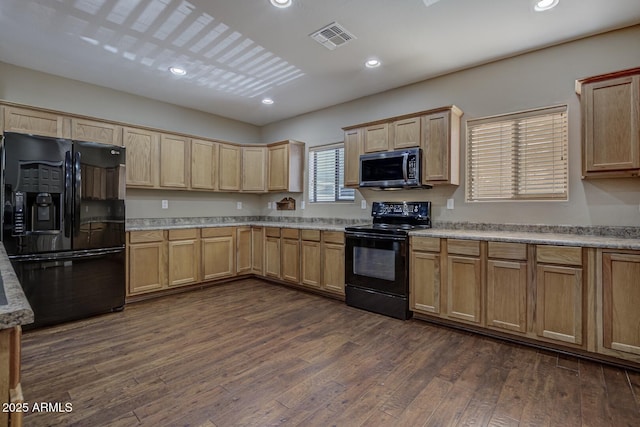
x=99 y=185
x=70 y=286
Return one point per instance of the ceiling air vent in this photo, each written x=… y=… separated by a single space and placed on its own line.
x=332 y=36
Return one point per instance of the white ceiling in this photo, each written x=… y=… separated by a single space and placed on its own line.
x=237 y=52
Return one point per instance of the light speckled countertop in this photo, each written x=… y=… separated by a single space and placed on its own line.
x=17 y=311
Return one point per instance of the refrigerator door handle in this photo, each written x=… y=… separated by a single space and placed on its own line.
x=77 y=183
x=68 y=192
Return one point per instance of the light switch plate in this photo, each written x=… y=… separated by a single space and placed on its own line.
x=269 y=205
x=165 y=204
x=239 y=205
x=449 y=203
x=302 y=205
x=363 y=204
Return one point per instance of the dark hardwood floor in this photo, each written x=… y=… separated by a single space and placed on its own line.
x=250 y=353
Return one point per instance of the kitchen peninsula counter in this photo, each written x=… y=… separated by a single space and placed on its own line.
x=17 y=310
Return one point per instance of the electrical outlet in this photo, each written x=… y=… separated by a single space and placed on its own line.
x=302 y=205
x=449 y=203
x=269 y=205
x=363 y=204
x=165 y=204
x=239 y=205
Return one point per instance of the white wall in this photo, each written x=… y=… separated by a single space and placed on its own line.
x=541 y=78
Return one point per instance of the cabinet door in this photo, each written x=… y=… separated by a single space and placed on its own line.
x=278 y=167
x=243 y=247
x=435 y=143
x=146 y=267
x=95 y=131
x=376 y=138
x=333 y=267
x=621 y=299
x=406 y=133
x=291 y=260
x=174 y=161
x=23 y=120
x=184 y=262
x=230 y=159
x=254 y=163
x=257 y=250
x=611 y=110
x=218 y=257
x=507 y=295
x=559 y=303
x=352 y=151
x=464 y=289
x=272 y=257
x=311 y=251
x=204 y=165
x=425 y=282
x=142 y=157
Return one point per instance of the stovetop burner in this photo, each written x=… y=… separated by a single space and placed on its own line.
x=396 y=218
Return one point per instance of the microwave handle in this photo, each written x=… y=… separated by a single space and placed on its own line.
x=405 y=165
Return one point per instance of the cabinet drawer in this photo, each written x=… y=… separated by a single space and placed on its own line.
x=334 y=237
x=463 y=247
x=311 y=235
x=183 y=234
x=272 y=232
x=504 y=250
x=290 y=233
x=566 y=255
x=146 y=236
x=216 y=232
x=431 y=244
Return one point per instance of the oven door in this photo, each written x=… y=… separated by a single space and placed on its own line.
x=377 y=262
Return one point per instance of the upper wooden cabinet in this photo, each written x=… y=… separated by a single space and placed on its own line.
x=142 y=157
x=610 y=124
x=254 y=169
x=229 y=167
x=35 y=122
x=376 y=138
x=204 y=165
x=352 y=150
x=440 y=144
x=405 y=133
x=436 y=131
x=286 y=166
x=96 y=131
x=175 y=162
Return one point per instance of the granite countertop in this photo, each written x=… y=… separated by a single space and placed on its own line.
x=548 y=238
x=17 y=310
x=182 y=223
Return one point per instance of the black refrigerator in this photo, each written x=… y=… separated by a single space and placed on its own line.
x=63 y=224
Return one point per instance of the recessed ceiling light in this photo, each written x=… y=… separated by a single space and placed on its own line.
x=372 y=63
x=267 y=101
x=177 y=71
x=281 y=3
x=542 y=5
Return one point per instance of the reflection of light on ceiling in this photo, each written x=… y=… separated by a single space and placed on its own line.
x=161 y=33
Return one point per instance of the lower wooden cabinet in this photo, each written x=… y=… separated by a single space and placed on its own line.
x=244 y=252
x=257 y=250
x=147 y=270
x=464 y=281
x=272 y=252
x=290 y=255
x=507 y=286
x=218 y=253
x=620 y=296
x=560 y=294
x=425 y=278
x=332 y=255
x=310 y=254
x=184 y=257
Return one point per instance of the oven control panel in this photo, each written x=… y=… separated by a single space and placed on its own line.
x=403 y=209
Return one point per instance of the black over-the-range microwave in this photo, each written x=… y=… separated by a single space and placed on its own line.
x=392 y=169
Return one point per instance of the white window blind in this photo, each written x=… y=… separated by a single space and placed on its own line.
x=521 y=156
x=326 y=175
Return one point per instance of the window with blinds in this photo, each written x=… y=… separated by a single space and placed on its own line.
x=521 y=156
x=326 y=175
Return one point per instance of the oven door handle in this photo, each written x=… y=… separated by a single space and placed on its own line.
x=375 y=237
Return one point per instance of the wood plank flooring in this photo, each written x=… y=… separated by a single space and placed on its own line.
x=250 y=353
